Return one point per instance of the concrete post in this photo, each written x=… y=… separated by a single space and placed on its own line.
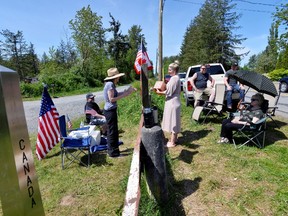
x=19 y=189
x=153 y=160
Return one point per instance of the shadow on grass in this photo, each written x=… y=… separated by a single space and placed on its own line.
x=188 y=137
x=179 y=190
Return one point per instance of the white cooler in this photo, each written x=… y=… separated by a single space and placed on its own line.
x=96 y=137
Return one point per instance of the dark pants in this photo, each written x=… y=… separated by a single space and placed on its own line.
x=112 y=132
x=227 y=129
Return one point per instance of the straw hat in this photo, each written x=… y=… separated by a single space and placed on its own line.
x=113 y=73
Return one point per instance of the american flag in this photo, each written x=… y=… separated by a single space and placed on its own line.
x=69 y=123
x=142 y=58
x=48 y=127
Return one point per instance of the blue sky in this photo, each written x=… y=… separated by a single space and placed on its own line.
x=45 y=23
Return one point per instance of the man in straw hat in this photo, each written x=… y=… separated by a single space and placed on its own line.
x=111 y=96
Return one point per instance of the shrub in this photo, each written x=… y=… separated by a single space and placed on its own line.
x=31 y=89
x=277 y=74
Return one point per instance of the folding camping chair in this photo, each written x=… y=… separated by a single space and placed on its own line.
x=254 y=131
x=273 y=101
x=75 y=145
x=211 y=108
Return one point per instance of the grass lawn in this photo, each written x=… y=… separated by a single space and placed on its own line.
x=204 y=178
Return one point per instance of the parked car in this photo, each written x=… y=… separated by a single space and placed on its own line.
x=167 y=78
x=216 y=70
x=283 y=84
x=182 y=76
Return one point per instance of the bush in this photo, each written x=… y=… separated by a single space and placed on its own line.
x=275 y=75
x=31 y=89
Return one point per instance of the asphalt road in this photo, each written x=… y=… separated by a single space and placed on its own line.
x=74 y=107
x=71 y=105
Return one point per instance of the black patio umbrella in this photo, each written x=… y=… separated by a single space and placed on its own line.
x=256 y=81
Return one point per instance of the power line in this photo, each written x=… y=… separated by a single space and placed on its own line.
x=259 y=3
x=242 y=9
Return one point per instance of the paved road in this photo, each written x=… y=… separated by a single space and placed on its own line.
x=74 y=107
x=71 y=105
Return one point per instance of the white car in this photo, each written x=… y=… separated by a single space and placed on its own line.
x=216 y=70
x=182 y=76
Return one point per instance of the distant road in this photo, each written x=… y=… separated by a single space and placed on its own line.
x=74 y=107
x=71 y=105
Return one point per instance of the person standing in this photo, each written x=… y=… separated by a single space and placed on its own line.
x=171 y=122
x=199 y=83
x=232 y=85
x=111 y=96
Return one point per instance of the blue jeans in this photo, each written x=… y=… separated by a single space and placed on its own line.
x=235 y=87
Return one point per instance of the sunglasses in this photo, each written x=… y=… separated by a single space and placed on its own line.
x=203 y=68
x=253 y=99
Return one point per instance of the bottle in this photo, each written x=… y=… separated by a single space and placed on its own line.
x=81 y=124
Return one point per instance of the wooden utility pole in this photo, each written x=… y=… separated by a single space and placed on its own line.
x=160 y=38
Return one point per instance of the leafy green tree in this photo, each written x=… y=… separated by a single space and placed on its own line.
x=89 y=37
x=134 y=37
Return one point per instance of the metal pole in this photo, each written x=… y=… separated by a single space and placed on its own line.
x=160 y=50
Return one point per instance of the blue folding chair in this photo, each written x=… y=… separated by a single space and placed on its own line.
x=72 y=148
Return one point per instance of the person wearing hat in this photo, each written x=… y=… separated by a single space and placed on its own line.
x=111 y=96
x=94 y=114
x=232 y=85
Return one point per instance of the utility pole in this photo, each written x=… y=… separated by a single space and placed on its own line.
x=160 y=38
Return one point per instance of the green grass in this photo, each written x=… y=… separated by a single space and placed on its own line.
x=204 y=178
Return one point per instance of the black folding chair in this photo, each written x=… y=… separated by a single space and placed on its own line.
x=73 y=148
x=254 y=132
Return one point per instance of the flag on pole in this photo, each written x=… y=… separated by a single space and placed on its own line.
x=142 y=58
x=48 y=128
x=69 y=123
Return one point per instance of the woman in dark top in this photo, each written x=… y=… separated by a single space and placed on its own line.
x=111 y=96
x=252 y=115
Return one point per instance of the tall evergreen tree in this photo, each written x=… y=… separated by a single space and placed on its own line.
x=13 y=49
x=211 y=37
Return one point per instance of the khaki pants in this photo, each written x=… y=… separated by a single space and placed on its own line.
x=207 y=91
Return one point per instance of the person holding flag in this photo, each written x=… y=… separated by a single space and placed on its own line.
x=48 y=128
x=142 y=58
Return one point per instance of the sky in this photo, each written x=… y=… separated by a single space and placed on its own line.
x=46 y=23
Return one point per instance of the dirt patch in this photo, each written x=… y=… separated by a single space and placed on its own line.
x=67 y=200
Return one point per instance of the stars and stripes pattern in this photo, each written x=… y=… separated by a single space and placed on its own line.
x=48 y=128
x=142 y=58
x=69 y=123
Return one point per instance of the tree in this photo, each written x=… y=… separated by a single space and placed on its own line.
x=118 y=45
x=13 y=49
x=89 y=37
x=210 y=36
x=281 y=17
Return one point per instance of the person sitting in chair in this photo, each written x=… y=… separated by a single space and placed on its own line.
x=199 y=82
x=253 y=114
x=94 y=115
x=232 y=85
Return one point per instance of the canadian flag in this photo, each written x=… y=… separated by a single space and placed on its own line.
x=142 y=58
